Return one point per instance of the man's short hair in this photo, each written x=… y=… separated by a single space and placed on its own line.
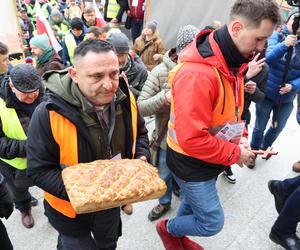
x=3 y=49
x=95 y=46
x=94 y=30
x=255 y=11
x=88 y=9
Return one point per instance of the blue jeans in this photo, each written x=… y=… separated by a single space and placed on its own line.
x=136 y=28
x=200 y=212
x=166 y=175
x=263 y=111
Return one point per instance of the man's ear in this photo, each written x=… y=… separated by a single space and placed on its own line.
x=11 y=85
x=73 y=74
x=236 y=28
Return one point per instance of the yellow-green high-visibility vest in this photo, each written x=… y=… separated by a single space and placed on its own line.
x=12 y=128
x=112 y=9
x=71 y=45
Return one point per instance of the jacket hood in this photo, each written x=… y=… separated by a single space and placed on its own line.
x=204 y=49
x=170 y=58
x=60 y=83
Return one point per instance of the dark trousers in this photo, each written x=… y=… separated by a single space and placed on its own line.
x=103 y=234
x=136 y=28
x=289 y=216
x=4 y=239
x=18 y=186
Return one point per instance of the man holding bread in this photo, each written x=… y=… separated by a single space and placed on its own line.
x=89 y=114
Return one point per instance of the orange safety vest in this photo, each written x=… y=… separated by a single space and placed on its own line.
x=224 y=110
x=65 y=135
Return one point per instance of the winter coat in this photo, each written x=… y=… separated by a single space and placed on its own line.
x=137 y=12
x=196 y=91
x=136 y=74
x=152 y=99
x=276 y=59
x=146 y=50
x=55 y=63
x=44 y=168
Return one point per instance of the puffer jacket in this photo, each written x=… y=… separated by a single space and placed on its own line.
x=152 y=100
x=147 y=49
x=276 y=59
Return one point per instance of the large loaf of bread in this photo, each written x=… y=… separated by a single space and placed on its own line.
x=104 y=184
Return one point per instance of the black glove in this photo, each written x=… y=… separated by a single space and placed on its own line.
x=6 y=203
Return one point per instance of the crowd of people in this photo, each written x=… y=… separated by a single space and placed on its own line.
x=88 y=101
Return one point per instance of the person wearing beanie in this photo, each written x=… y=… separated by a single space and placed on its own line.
x=22 y=93
x=149 y=46
x=133 y=68
x=185 y=36
x=45 y=55
x=278 y=99
x=73 y=37
x=58 y=21
x=155 y=100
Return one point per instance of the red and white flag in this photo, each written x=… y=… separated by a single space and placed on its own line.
x=43 y=26
x=100 y=22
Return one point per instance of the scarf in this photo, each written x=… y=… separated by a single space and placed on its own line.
x=45 y=57
x=232 y=56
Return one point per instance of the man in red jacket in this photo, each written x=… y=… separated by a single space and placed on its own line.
x=206 y=107
x=136 y=12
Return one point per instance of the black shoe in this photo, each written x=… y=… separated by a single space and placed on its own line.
x=253 y=163
x=289 y=242
x=229 y=176
x=34 y=202
x=158 y=211
x=279 y=198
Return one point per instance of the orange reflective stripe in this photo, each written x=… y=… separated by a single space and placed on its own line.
x=133 y=109
x=224 y=109
x=65 y=135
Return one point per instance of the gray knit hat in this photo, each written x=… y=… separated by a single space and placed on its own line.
x=119 y=41
x=185 y=36
x=25 y=78
x=152 y=25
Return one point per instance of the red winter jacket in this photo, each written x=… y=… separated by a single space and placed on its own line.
x=195 y=93
x=137 y=12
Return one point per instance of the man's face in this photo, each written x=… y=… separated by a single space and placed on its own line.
x=91 y=36
x=36 y=52
x=249 y=39
x=122 y=57
x=27 y=98
x=97 y=76
x=77 y=32
x=23 y=15
x=56 y=19
x=4 y=63
x=90 y=18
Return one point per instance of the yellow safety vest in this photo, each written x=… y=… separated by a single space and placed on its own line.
x=12 y=128
x=112 y=9
x=71 y=45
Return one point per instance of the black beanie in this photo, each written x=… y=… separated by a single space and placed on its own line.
x=76 y=23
